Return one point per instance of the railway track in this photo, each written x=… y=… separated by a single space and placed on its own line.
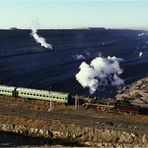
x=8 y=107
x=27 y=111
x=47 y=116
x=79 y=120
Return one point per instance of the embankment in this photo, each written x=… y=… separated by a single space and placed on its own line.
x=101 y=134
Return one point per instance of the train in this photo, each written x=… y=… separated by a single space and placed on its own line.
x=121 y=106
x=34 y=94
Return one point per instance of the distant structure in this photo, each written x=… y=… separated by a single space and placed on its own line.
x=13 y=28
x=97 y=28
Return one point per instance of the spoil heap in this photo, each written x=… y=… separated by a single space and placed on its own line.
x=137 y=93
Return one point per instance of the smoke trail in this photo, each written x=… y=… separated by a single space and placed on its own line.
x=101 y=71
x=40 y=39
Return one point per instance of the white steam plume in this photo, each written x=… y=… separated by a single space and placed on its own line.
x=101 y=71
x=140 y=54
x=40 y=39
x=79 y=57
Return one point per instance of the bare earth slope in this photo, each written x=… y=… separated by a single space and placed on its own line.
x=137 y=93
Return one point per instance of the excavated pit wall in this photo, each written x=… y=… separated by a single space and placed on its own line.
x=89 y=136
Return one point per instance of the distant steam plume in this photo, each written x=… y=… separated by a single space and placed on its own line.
x=140 y=54
x=40 y=39
x=100 y=72
x=79 y=57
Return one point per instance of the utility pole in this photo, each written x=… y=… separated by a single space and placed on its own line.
x=76 y=98
x=51 y=108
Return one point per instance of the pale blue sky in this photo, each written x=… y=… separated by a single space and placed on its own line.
x=74 y=14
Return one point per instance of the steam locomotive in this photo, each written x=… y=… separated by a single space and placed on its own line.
x=122 y=106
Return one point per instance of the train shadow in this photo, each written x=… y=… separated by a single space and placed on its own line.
x=15 y=140
x=144 y=111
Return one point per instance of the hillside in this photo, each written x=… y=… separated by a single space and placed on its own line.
x=137 y=92
x=24 y=63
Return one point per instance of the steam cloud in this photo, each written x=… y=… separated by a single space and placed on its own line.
x=100 y=72
x=140 y=54
x=40 y=39
x=142 y=34
x=79 y=57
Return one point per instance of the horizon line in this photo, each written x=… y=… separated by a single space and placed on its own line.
x=75 y=28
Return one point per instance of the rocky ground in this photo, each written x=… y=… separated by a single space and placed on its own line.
x=67 y=126
x=137 y=93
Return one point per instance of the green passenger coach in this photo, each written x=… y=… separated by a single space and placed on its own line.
x=42 y=95
x=6 y=90
x=34 y=94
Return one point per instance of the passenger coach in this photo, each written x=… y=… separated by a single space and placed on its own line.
x=7 y=90
x=34 y=94
x=42 y=95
